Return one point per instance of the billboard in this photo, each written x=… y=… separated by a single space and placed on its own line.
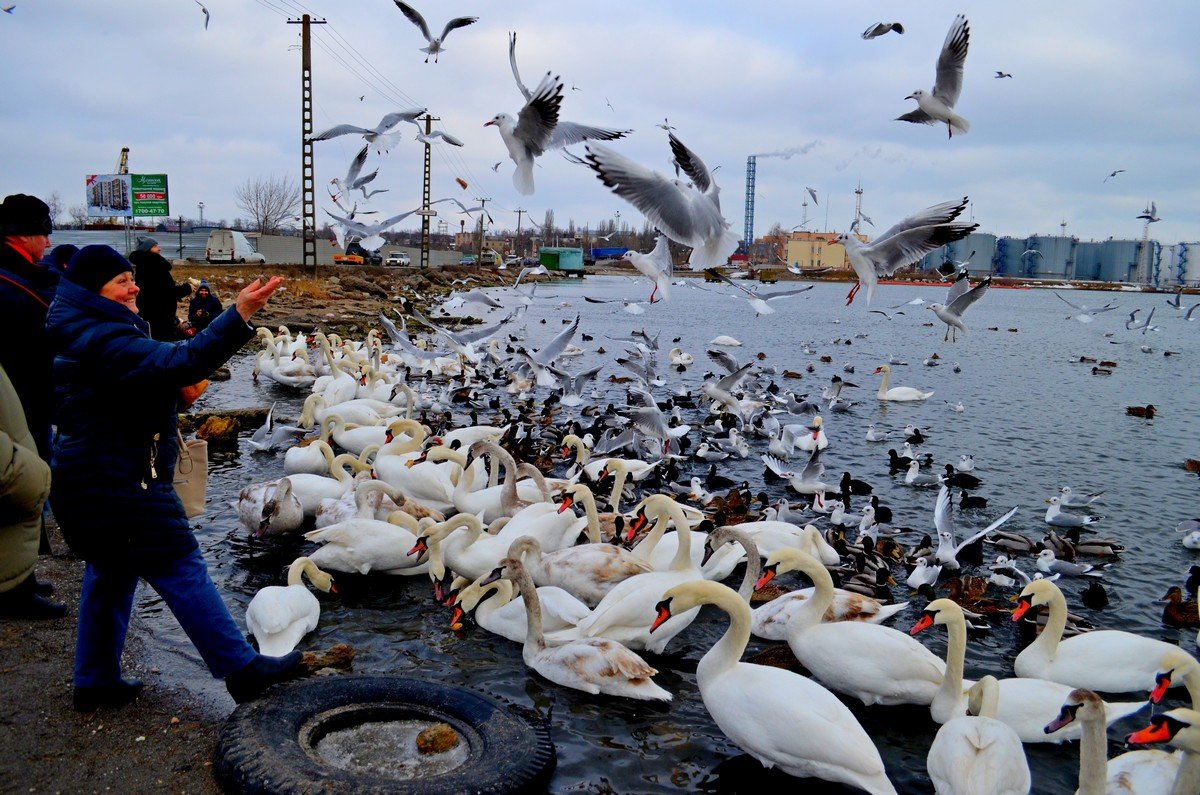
x=126 y=195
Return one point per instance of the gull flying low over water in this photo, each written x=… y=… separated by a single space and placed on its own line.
x=378 y=134
x=959 y=299
x=537 y=127
x=1133 y=324
x=943 y=519
x=1085 y=315
x=689 y=214
x=903 y=244
x=540 y=360
x=434 y=47
x=938 y=106
x=758 y=301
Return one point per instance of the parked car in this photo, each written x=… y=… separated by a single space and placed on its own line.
x=357 y=255
x=400 y=258
x=229 y=245
x=512 y=259
x=467 y=259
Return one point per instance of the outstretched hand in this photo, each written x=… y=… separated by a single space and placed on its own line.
x=254 y=296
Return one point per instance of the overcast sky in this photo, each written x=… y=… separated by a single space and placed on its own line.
x=1097 y=85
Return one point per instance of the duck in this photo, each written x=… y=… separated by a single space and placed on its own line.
x=898 y=393
x=593 y=665
x=889 y=666
x=780 y=718
x=1178 y=612
x=497 y=608
x=1148 y=411
x=1026 y=705
x=279 y=616
x=1094 y=596
x=1096 y=547
x=626 y=612
x=977 y=753
x=1108 y=661
x=961 y=480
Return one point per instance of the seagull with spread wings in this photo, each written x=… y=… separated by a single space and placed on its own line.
x=537 y=127
x=1085 y=315
x=758 y=301
x=903 y=244
x=9 y=10
x=881 y=28
x=938 y=106
x=958 y=300
x=689 y=214
x=539 y=361
x=434 y=47
x=655 y=266
x=355 y=179
x=378 y=134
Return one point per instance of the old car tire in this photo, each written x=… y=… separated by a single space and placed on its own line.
x=268 y=745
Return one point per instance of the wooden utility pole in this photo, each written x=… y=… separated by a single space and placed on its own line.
x=482 y=212
x=426 y=212
x=520 y=211
x=308 y=178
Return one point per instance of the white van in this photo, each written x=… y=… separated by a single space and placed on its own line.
x=227 y=245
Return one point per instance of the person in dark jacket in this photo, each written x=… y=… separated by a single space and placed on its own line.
x=159 y=297
x=57 y=258
x=203 y=307
x=26 y=290
x=116 y=394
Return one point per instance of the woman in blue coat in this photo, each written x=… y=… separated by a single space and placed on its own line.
x=116 y=397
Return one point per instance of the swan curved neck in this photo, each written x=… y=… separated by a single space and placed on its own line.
x=619 y=479
x=948 y=701
x=585 y=496
x=1093 y=756
x=534 y=639
x=753 y=567
x=883 y=385
x=727 y=652
x=1187 y=780
x=1046 y=644
x=299 y=567
x=813 y=610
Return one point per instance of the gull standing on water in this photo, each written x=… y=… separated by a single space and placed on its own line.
x=434 y=47
x=537 y=127
x=938 y=106
x=903 y=244
x=959 y=299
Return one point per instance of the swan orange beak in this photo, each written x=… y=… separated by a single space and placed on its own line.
x=923 y=623
x=456 y=618
x=421 y=547
x=878 y=370
x=1157 y=732
x=1023 y=605
x=767 y=575
x=566 y=452
x=636 y=525
x=387 y=437
x=1162 y=683
x=663 y=610
x=568 y=500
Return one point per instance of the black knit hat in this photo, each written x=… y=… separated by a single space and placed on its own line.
x=21 y=214
x=61 y=255
x=92 y=267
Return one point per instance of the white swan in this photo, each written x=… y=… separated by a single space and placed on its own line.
x=587 y=572
x=725 y=339
x=361 y=411
x=501 y=613
x=780 y=718
x=463 y=545
x=489 y=502
x=593 y=665
x=626 y=612
x=356 y=438
x=1132 y=772
x=1026 y=705
x=976 y=754
x=1109 y=661
x=368 y=545
x=660 y=549
x=282 y=511
x=280 y=615
x=314 y=458
x=873 y=663
x=429 y=482
x=1181 y=728
x=899 y=393
x=1177 y=667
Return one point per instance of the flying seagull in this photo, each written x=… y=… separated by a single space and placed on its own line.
x=689 y=214
x=377 y=134
x=813 y=192
x=432 y=138
x=1112 y=174
x=1150 y=213
x=880 y=28
x=959 y=300
x=936 y=107
x=903 y=244
x=537 y=127
x=435 y=45
x=758 y=301
x=1000 y=75
x=354 y=179
x=1085 y=314
x=9 y=10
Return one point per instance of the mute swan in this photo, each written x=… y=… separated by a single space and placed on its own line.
x=308 y=489
x=626 y=612
x=813 y=439
x=899 y=393
x=780 y=718
x=374 y=499
x=463 y=545
x=282 y=511
x=428 y=482
x=314 y=458
x=1109 y=661
x=660 y=549
x=1177 y=668
x=1132 y=772
x=873 y=663
x=369 y=545
x=1026 y=705
x=489 y=501
x=976 y=754
x=593 y=665
x=356 y=438
x=1181 y=728
x=280 y=615
x=587 y=572
x=361 y=411
x=503 y=614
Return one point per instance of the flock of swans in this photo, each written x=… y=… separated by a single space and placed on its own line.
x=388 y=483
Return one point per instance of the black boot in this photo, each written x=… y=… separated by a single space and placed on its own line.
x=90 y=699
x=24 y=602
x=262 y=672
x=41 y=588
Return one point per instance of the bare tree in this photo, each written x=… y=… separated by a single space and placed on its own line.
x=57 y=206
x=268 y=201
x=548 y=223
x=78 y=215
